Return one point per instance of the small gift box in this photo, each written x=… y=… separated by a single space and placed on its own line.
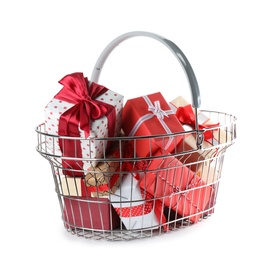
x=82 y=110
x=135 y=206
x=179 y=188
x=92 y=185
x=150 y=116
x=90 y=213
x=209 y=172
x=102 y=184
x=73 y=186
x=186 y=115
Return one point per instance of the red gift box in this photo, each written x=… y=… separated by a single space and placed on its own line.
x=87 y=212
x=177 y=186
x=212 y=202
x=84 y=110
x=148 y=116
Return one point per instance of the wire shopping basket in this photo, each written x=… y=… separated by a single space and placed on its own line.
x=144 y=185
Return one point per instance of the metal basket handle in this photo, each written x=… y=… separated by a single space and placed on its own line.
x=196 y=100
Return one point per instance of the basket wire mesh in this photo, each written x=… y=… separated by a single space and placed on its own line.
x=94 y=215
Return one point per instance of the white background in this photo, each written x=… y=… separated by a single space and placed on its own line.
x=228 y=43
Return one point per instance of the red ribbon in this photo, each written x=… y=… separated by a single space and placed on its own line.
x=85 y=110
x=143 y=209
x=139 y=210
x=186 y=116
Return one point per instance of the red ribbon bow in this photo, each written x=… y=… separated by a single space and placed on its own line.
x=86 y=108
x=186 y=116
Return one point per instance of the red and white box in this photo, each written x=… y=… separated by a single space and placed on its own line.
x=150 y=115
x=135 y=206
x=179 y=188
x=82 y=110
x=213 y=135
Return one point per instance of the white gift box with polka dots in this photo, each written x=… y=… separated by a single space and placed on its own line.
x=135 y=211
x=91 y=149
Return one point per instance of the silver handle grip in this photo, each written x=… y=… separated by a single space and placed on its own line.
x=196 y=100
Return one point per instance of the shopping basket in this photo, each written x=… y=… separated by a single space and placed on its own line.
x=126 y=195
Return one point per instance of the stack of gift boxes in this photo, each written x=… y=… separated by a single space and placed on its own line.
x=167 y=178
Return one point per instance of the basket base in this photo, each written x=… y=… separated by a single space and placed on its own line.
x=127 y=235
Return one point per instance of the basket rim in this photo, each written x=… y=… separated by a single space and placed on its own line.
x=119 y=138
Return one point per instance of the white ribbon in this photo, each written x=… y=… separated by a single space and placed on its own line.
x=156 y=110
x=159 y=113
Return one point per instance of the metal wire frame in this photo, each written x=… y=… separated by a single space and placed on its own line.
x=96 y=218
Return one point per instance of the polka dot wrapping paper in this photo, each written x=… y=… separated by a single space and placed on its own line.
x=90 y=148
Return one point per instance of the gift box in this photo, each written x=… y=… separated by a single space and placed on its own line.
x=135 y=206
x=103 y=185
x=73 y=186
x=209 y=172
x=186 y=115
x=100 y=181
x=194 y=156
x=82 y=110
x=90 y=213
x=212 y=202
x=179 y=188
x=150 y=116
